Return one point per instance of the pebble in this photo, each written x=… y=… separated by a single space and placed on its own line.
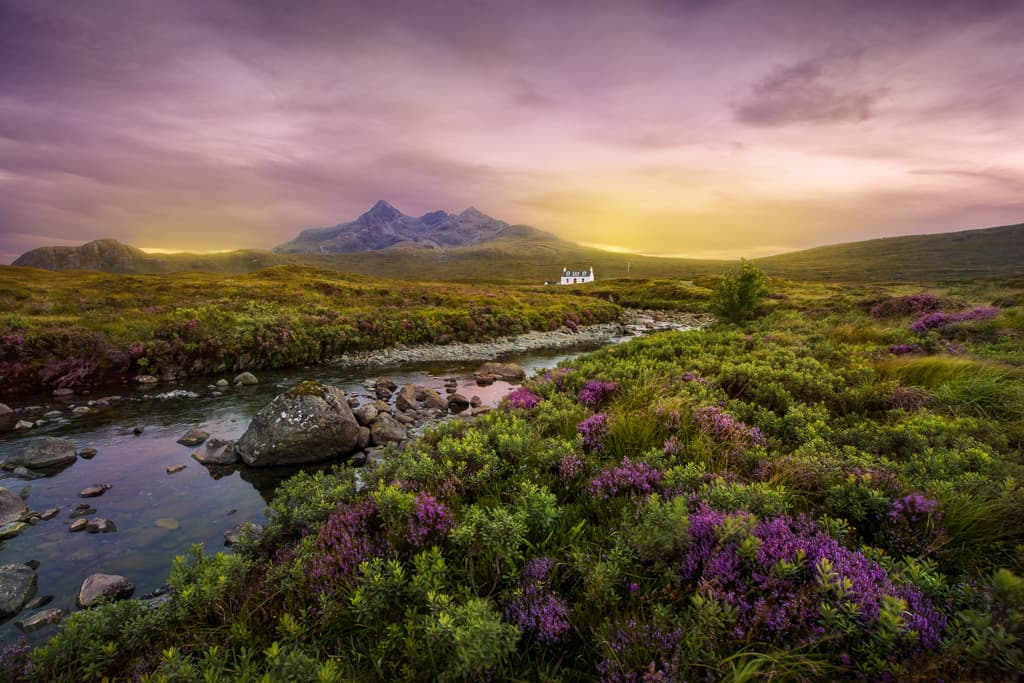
x=167 y=523
x=82 y=510
x=11 y=530
x=94 y=490
x=24 y=424
x=49 y=514
x=81 y=410
x=38 y=620
x=79 y=524
x=100 y=525
x=39 y=601
x=173 y=469
x=87 y=453
x=63 y=393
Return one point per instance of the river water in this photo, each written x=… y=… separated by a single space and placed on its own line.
x=160 y=515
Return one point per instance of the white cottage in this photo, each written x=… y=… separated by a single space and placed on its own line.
x=576 y=277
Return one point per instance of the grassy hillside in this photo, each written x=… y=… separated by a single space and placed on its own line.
x=992 y=252
x=77 y=328
x=527 y=256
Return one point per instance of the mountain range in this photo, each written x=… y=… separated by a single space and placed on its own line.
x=471 y=245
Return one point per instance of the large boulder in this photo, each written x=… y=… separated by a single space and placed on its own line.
x=42 y=453
x=99 y=586
x=311 y=422
x=17 y=585
x=12 y=507
x=509 y=372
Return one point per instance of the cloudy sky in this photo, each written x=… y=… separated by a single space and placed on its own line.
x=690 y=127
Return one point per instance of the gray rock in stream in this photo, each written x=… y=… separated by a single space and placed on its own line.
x=385 y=429
x=34 y=622
x=194 y=437
x=42 y=453
x=100 y=586
x=17 y=586
x=12 y=507
x=311 y=422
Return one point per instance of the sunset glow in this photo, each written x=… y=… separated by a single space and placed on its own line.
x=697 y=128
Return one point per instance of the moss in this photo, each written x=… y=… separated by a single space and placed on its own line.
x=308 y=388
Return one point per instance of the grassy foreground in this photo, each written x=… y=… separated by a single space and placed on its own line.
x=831 y=492
x=68 y=328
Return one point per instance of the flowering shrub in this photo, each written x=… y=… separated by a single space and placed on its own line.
x=522 y=399
x=904 y=349
x=344 y=541
x=915 y=525
x=723 y=428
x=941 y=318
x=788 y=581
x=535 y=608
x=595 y=392
x=629 y=477
x=594 y=431
x=429 y=522
x=898 y=306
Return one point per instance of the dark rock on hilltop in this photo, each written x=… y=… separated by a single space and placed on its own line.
x=385 y=226
x=311 y=422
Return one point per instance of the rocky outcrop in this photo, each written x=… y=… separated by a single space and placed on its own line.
x=246 y=379
x=17 y=585
x=100 y=586
x=416 y=397
x=44 y=452
x=311 y=422
x=245 y=530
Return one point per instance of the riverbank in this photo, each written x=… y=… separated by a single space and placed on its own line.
x=632 y=322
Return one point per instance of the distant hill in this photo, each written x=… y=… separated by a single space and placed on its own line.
x=995 y=252
x=385 y=226
x=111 y=256
x=521 y=254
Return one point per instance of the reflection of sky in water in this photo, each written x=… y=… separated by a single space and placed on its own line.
x=144 y=500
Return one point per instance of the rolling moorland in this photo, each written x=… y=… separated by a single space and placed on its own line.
x=471 y=246
x=827 y=488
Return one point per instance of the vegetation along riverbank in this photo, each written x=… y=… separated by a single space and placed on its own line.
x=74 y=329
x=830 y=489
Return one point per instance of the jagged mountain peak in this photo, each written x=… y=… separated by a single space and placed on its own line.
x=385 y=226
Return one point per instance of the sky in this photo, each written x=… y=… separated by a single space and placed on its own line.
x=678 y=127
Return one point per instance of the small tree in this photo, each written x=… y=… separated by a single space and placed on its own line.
x=736 y=296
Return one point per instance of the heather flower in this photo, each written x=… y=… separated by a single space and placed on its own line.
x=778 y=574
x=673 y=447
x=915 y=525
x=535 y=608
x=594 y=392
x=345 y=541
x=723 y=428
x=905 y=305
x=931 y=321
x=430 y=521
x=522 y=399
x=979 y=313
x=594 y=431
x=629 y=477
x=694 y=377
x=904 y=349
x=570 y=466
